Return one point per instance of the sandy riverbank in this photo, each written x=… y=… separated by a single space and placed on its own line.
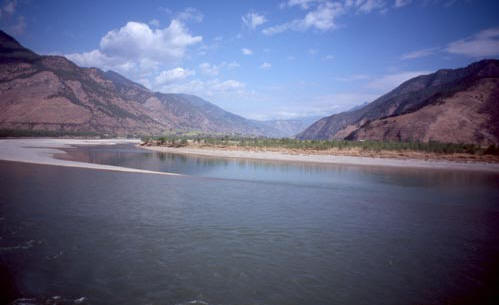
x=41 y=151
x=328 y=159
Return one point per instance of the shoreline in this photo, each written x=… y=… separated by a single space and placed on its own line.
x=328 y=159
x=42 y=150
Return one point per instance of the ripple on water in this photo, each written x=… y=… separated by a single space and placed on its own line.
x=54 y=300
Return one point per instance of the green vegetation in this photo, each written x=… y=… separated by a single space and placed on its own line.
x=320 y=145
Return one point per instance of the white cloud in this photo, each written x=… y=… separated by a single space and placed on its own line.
x=482 y=44
x=321 y=18
x=173 y=75
x=304 y=4
x=401 y=3
x=214 y=70
x=329 y=57
x=389 y=82
x=290 y=57
x=367 y=6
x=210 y=89
x=419 y=53
x=136 y=40
x=253 y=20
x=209 y=69
x=137 y=46
x=246 y=51
x=190 y=14
x=312 y=51
x=265 y=66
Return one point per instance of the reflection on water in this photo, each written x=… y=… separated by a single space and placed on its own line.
x=245 y=232
x=309 y=174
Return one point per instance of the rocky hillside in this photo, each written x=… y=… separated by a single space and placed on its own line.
x=52 y=93
x=457 y=106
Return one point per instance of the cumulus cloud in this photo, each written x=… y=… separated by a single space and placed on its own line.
x=136 y=45
x=246 y=51
x=482 y=44
x=253 y=20
x=389 y=82
x=265 y=66
x=173 y=75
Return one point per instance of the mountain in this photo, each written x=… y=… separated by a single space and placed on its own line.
x=52 y=93
x=456 y=106
x=290 y=127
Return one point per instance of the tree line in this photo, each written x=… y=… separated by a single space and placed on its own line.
x=320 y=145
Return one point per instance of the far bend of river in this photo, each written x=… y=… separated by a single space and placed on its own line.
x=245 y=232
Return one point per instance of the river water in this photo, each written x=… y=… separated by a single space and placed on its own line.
x=245 y=232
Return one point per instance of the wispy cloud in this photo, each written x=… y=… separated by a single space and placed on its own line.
x=252 y=20
x=173 y=75
x=246 y=51
x=190 y=14
x=210 y=89
x=322 y=18
x=389 y=82
x=482 y=44
x=154 y=22
x=351 y=78
x=367 y=6
x=209 y=69
x=265 y=66
x=419 y=53
x=401 y=3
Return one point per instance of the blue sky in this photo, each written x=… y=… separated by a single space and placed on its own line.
x=263 y=59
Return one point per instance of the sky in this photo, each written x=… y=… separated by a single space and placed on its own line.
x=265 y=59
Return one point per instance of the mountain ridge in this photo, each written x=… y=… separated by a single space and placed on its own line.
x=39 y=92
x=411 y=96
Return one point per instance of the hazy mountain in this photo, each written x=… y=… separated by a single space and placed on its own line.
x=459 y=105
x=52 y=93
x=290 y=127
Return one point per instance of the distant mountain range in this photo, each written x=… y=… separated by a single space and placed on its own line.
x=452 y=106
x=52 y=93
x=290 y=127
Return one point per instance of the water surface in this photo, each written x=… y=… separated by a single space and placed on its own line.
x=246 y=232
